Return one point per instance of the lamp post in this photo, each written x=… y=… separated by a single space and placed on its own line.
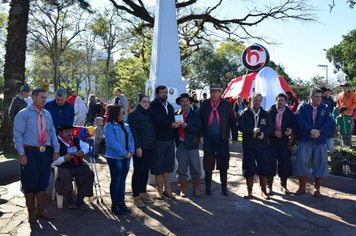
x=326 y=70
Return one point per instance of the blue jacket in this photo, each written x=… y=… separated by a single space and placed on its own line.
x=60 y=115
x=115 y=141
x=323 y=122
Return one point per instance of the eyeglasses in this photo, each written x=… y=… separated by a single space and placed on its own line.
x=122 y=112
x=145 y=101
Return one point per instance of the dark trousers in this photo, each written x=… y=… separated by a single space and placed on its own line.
x=118 y=173
x=35 y=175
x=164 y=158
x=140 y=173
x=84 y=179
x=279 y=152
x=216 y=150
x=255 y=161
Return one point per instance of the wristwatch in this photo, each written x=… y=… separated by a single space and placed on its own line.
x=22 y=153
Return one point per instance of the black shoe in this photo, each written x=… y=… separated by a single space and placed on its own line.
x=208 y=189
x=124 y=208
x=224 y=190
x=117 y=210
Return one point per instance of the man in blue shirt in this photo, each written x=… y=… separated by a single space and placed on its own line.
x=34 y=136
x=314 y=122
x=62 y=111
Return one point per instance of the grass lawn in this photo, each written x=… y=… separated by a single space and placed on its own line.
x=6 y=156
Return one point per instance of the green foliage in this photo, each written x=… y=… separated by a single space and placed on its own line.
x=343 y=56
x=208 y=66
x=301 y=88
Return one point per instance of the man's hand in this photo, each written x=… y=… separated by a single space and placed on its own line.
x=80 y=153
x=278 y=134
x=139 y=152
x=256 y=130
x=288 y=132
x=129 y=155
x=315 y=133
x=261 y=136
x=202 y=140
x=23 y=159
x=55 y=156
x=175 y=125
x=183 y=125
x=67 y=157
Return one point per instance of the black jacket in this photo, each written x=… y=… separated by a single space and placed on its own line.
x=18 y=103
x=246 y=124
x=142 y=128
x=191 y=132
x=91 y=112
x=63 y=151
x=162 y=120
x=227 y=119
x=288 y=121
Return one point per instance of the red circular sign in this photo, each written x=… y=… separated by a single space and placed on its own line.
x=255 y=57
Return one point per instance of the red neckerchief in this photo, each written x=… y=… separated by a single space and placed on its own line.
x=212 y=112
x=76 y=158
x=181 y=130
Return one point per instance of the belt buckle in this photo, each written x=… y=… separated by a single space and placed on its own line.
x=42 y=148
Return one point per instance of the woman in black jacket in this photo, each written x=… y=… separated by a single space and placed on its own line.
x=91 y=107
x=143 y=131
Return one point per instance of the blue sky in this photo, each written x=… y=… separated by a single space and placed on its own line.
x=301 y=45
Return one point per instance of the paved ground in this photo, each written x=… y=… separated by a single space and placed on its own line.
x=332 y=214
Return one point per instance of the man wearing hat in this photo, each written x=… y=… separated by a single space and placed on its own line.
x=327 y=99
x=34 y=135
x=21 y=101
x=218 y=120
x=346 y=98
x=70 y=164
x=187 y=143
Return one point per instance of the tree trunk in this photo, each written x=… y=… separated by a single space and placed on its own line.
x=14 y=69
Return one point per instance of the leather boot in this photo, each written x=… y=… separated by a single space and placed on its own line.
x=302 y=185
x=196 y=184
x=269 y=185
x=41 y=211
x=159 y=186
x=249 y=184
x=223 y=179
x=31 y=207
x=284 y=189
x=124 y=208
x=317 y=184
x=263 y=183
x=208 y=176
x=167 y=185
x=183 y=187
x=117 y=210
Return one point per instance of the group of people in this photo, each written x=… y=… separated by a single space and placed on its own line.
x=155 y=135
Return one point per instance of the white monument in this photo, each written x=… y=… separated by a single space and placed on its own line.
x=165 y=58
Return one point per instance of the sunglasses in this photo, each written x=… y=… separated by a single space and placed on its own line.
x=145 y=101
x=122 y=112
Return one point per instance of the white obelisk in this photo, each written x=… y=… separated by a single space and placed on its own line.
x=165 y=58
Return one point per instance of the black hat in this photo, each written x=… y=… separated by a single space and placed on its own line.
x=184 y=95
x=344 y=85
x=323 y=89
x=64 y=126
x=342 y=109
x=215 y=87
x=328 y=89
x=25 y=88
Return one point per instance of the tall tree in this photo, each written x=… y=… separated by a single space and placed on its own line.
x=106 y=27
x=14 y=69
x=55 y=27
x=197 y=20
x=343 y=56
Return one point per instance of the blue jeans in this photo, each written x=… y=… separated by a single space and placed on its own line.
x=118 y=173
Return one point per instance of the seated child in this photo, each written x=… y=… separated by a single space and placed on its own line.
x=99 y=138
